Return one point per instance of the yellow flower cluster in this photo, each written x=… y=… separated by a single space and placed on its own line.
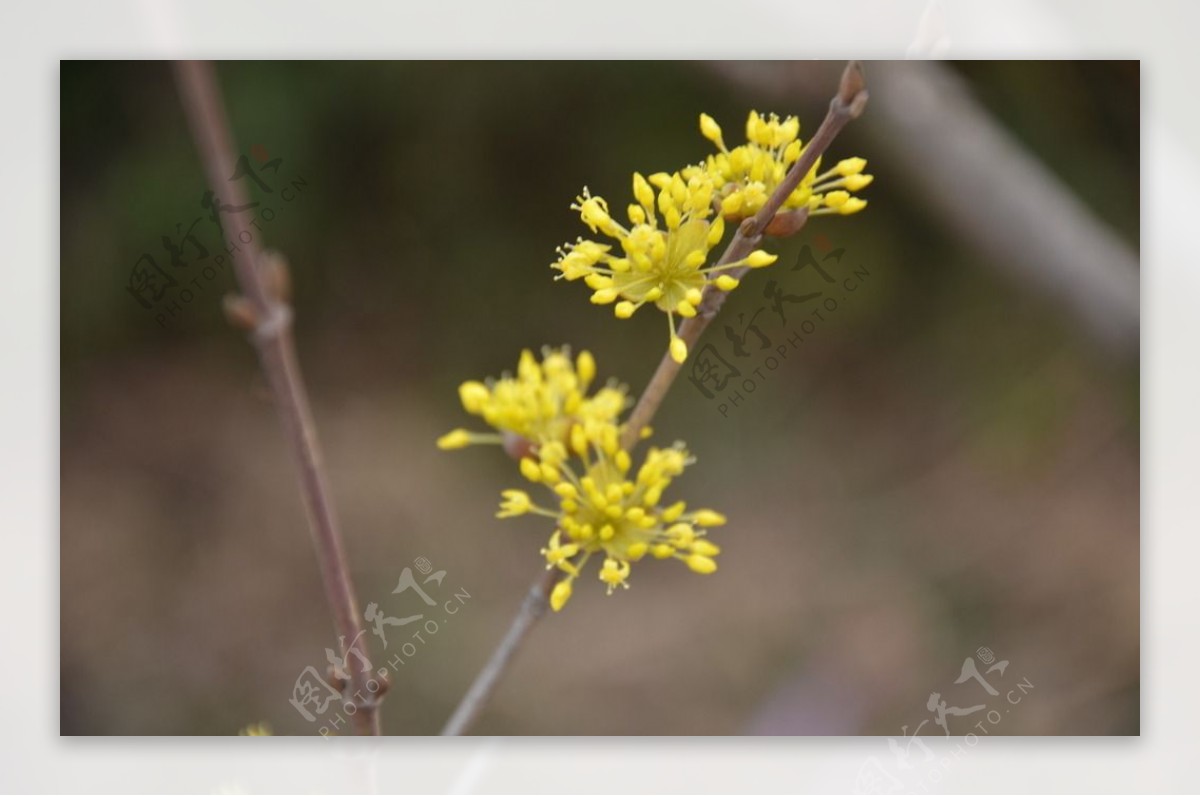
x=262 y=728
x=573 y=449
x=539 y=404
x=605 y=509
x=676 y=219
x=662 y=252
x=743 y=177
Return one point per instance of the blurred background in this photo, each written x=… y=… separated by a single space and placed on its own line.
x=945 y=467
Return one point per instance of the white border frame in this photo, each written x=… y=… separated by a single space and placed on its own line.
x=37 y=35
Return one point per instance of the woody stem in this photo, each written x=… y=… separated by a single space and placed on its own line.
x=270 y=316
x=847 y=104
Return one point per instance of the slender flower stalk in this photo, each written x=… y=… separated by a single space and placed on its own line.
x=847 y=104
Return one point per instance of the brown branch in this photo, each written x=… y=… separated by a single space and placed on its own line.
x=846 y=105
x=532 y=608
x=264 y=310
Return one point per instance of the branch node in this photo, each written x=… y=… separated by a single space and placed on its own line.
x=239 y=311
x=272 y=327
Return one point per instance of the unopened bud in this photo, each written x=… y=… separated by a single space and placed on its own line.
x=239 y=311
x=852 y=91
x=787 y=223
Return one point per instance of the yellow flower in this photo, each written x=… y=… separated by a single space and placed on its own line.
x=262 y=728
x=743 y=177
x=515 y=503
x=606 y=509
x=537 y=405
x=660 y=257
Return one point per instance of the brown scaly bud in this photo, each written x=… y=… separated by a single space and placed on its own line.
x=239 y=311
x=787 y=223
x=852 y=91
x=516 y=446
x=335 y=679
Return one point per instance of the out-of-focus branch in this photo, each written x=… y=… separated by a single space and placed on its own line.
x=847 y=104
x=987 y=187
x=264 y=311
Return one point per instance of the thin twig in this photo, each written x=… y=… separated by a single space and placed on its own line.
x=265 y=311
x=531 y=610
x=847 y=104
